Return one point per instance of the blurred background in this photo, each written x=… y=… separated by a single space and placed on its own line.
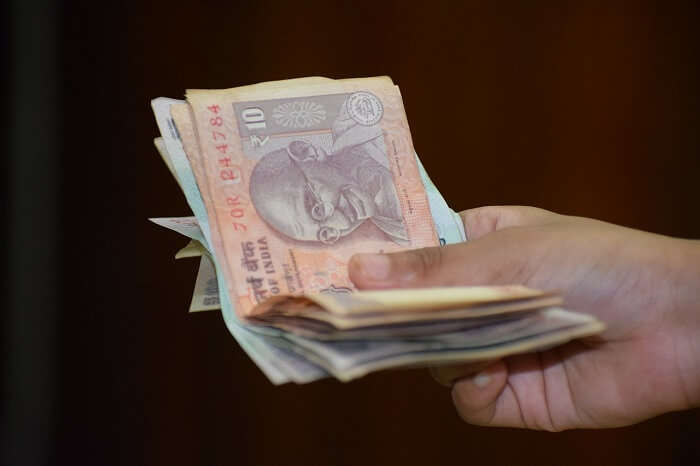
x=584 y=108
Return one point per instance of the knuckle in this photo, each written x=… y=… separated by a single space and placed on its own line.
x=479 y=221
x=483 y=220
x=427 y=261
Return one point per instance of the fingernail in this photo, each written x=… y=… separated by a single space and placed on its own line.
x=481 y=379
x=374 y=266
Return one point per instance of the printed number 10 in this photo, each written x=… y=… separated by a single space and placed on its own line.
x=254 y=118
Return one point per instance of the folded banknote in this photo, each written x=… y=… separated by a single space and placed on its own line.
x=286 y=181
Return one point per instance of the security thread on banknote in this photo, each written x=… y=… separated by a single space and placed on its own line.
x=299 y=177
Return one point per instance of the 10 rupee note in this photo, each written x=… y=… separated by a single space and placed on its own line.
x=300 y=177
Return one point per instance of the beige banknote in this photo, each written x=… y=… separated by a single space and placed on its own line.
x=192 y=249
x=205 y=296
x=347 y=360
x=292 y=316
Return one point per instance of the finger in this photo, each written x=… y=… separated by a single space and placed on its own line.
x=483 y=220
x=487 y=259
x=454 y=265
x=402 y=269
x=485 y=398
x=448 y=375
x=526 y=390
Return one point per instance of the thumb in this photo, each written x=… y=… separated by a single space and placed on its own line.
x=488 y=259
x=476 y=263
x=413 y=268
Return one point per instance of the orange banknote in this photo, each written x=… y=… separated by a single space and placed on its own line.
x=299 y=175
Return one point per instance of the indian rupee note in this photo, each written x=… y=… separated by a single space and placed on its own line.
x=301 y=177
x=205 y=296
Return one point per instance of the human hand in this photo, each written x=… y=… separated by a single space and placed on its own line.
x=645 y=287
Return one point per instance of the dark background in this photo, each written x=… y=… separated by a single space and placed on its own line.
x=586 y=108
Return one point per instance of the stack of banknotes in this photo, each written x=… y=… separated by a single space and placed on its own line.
x=286 y=181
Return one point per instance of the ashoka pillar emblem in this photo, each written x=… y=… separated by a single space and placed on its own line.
x=365 y=108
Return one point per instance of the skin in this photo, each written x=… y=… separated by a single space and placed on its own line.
x=645 y=287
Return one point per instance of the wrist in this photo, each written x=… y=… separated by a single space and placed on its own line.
x=686 y=316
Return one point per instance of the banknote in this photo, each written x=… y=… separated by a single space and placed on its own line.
x=318 y=315
x=300 y=178
x=286 y=181
x=448 y=224
x=279 y=365
x=192 y=249
x=205 y=296
x=186 y=226
x=347 y=360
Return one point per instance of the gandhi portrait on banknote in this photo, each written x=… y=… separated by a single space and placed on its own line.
x=311 y=193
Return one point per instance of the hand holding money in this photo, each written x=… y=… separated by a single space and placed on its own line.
x=339 y=187
x=287 y=180
x=644 y=286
